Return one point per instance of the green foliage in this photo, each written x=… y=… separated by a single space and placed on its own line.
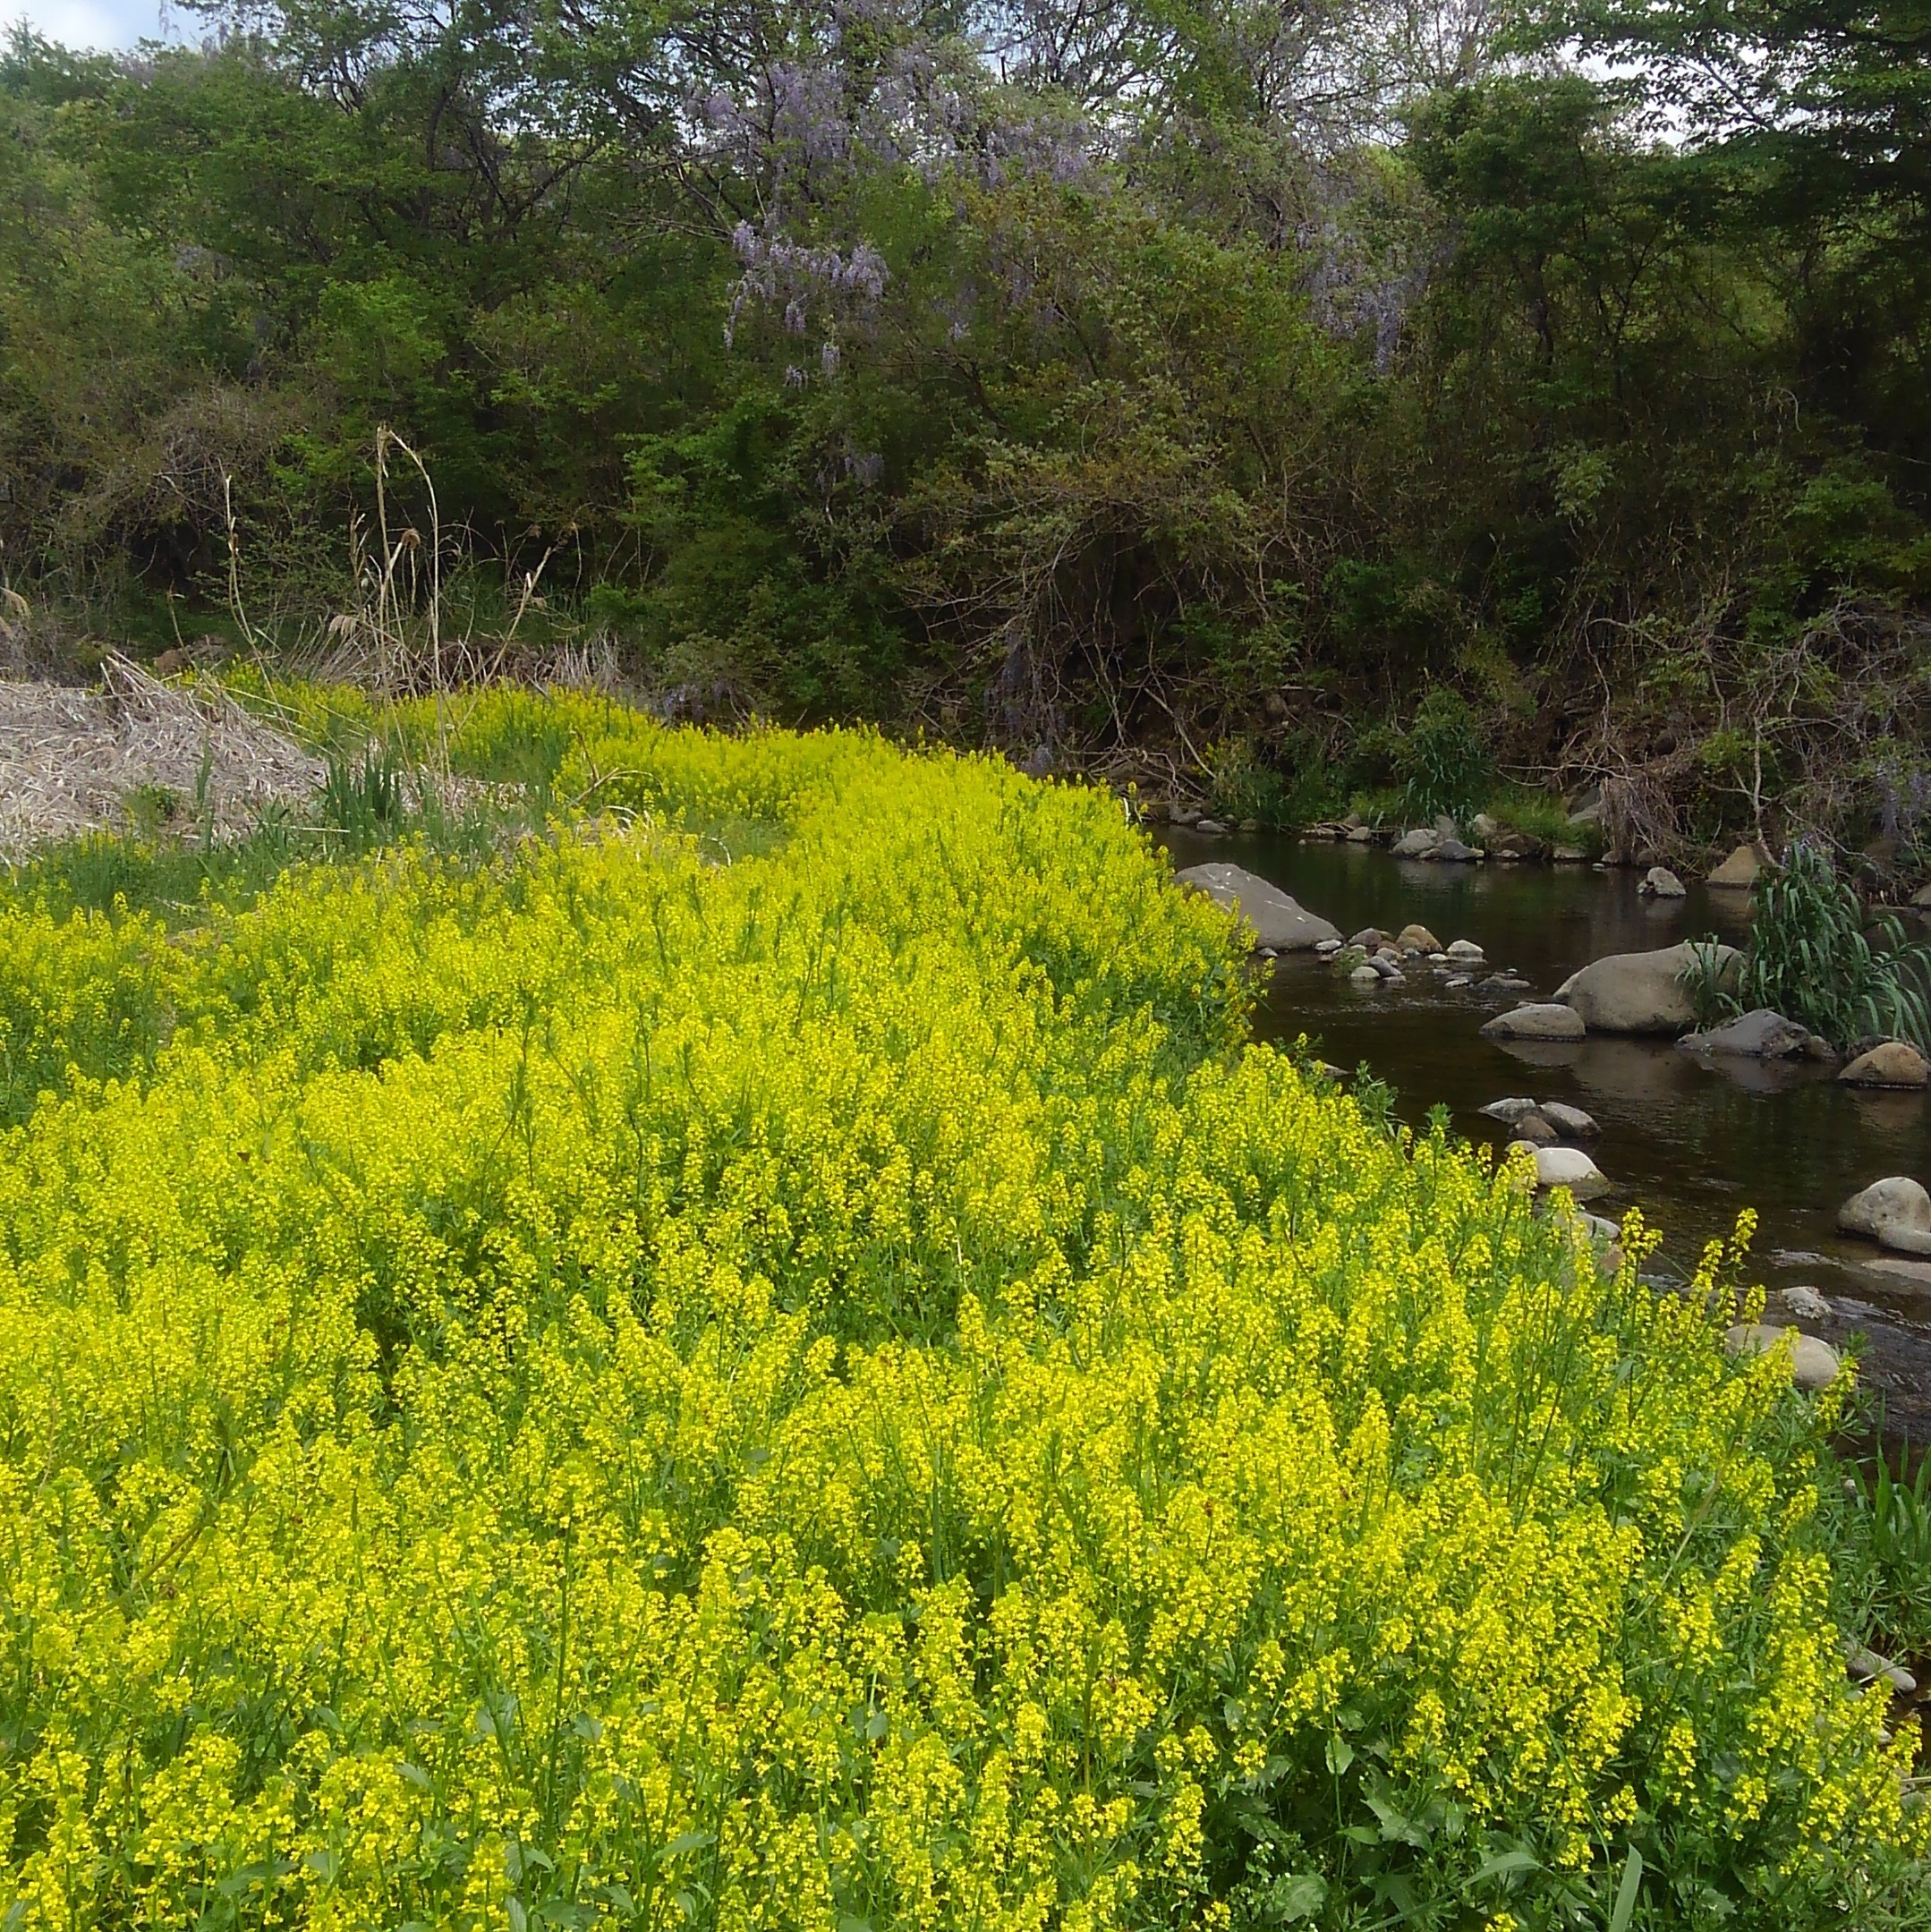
x=1883 y=1531
x=1088 y=410
x=1543 y=816
x=1442 y=761
x=1816 y=955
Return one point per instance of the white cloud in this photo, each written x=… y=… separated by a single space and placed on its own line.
x=88 y=24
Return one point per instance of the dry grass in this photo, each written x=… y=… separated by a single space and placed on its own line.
x=70 y=759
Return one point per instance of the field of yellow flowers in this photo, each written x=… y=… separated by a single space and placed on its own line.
x=774 y=1358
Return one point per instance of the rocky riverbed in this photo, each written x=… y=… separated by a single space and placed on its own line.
x=1692 y=1133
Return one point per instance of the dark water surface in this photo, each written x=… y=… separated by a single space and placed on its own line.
x=1688 y=1140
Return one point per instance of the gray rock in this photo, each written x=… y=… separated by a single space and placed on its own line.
x=1569 y=855
x=1457 y=980
x=1894 y=1063
x=1418 y=844
x=1571 y=1122
x=1813 y=1364
x=1208 y=825
x=1278 y=920
x=1644 y=993
x=1327 y=948
x=1535 y=1128
x=1417 y=938
x=1464 y=950
x=1566 y=1167
x=1912 y=1273
x=1445 y=827
x=1511 y=844
x=1659 y=882
x=1544 y=1022
x=1867 y=1667
x=1759 y=1034
x=1453 y=852
x=1804 y=1303
x=1895 y=1213
x=1365 y=977
x=1505 y=982
x=1371 y=938
x=1361 y=835
x=1508 y=1111
x=1922 y=897
x=1389 y=969
x=1186 y=815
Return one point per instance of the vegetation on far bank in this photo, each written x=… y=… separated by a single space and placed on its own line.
x=1210 y=390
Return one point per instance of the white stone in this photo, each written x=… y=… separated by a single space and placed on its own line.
x=1566 y=1167
x=1895 y=1213
x=1813 y=1364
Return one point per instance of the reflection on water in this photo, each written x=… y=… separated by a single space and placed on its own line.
x=1690 y=1140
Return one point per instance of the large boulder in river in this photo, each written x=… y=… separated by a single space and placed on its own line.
x=1761 y=1034
x=1279 y=921
x=1743 y=868
x=1895 y=1063
x=1895 y=1213
x=1533 y=1022
x=1644 y=993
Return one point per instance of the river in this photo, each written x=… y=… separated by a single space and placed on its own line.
x=1689 y=1140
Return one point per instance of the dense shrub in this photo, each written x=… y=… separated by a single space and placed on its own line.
x=645 y=1384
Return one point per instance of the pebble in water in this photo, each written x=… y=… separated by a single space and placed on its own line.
x=1571 y=1122
x=1805 y=1303
x=1508 y=1112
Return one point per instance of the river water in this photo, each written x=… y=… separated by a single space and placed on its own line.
x=1689 y=1140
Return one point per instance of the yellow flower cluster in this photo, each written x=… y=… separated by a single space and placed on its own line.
x=830 y=1388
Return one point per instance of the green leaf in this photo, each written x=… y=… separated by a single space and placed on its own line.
x=1295 y=1896
x=1396 y=1826
x=682 y=1842
x=1632 y=1883
x=1340 y=1755
x=1506 y=1865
